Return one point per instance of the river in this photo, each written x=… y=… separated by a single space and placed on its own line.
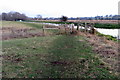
x=112 y=32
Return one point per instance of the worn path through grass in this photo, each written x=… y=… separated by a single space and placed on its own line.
x=53 y=56
x=71 y=57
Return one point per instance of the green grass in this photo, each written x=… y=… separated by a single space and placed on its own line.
x=107 y=26
x=13 y=24
x=20 y=24
x=108 y=37
x=35 y=25
x=53 y=56
x=31 y=51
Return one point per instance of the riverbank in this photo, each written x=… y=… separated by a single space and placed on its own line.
x=97 y=24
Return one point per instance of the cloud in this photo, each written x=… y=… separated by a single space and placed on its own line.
x=56 y=8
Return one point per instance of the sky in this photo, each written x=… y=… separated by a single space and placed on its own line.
x=57 y=8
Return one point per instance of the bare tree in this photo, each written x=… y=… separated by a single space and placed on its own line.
x=4 y=16
x=13 y=16
x=39 y=17
x=63 y=18
x=10 y=16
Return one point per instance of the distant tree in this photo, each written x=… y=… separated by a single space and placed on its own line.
x=107 y=17
x=78 y=18
x=13 y=16
x=116 y=17
x=4 y=16
x=0 y=17
x=10 y=16
x=23 y=17
x=64 y=18
x=39 y=17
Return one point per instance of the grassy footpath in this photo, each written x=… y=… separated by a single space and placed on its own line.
x=54 y=57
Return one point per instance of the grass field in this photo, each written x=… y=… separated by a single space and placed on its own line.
x=58 y=56
x=105 y=24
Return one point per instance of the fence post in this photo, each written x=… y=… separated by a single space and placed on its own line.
x=65 y=27
x=86 y=27
x=72 y=28
x=93 y=31
x=78 y=26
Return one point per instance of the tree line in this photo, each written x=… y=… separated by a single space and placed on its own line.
x=16 y=16
x=13 y=16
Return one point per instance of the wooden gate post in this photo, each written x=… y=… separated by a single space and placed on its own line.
x=73 y=28
x=78 y=27
x=85 y=27
x=93 y=31
x=65 y=28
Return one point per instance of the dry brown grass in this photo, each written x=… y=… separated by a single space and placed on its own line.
x=12 y=30
x=91 y=21
x=107 y=50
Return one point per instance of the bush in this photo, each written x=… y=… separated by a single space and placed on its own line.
x=63 y=18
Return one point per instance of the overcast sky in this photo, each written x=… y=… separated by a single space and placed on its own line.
x=57 y=8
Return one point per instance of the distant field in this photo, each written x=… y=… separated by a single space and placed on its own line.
x=94 y=21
